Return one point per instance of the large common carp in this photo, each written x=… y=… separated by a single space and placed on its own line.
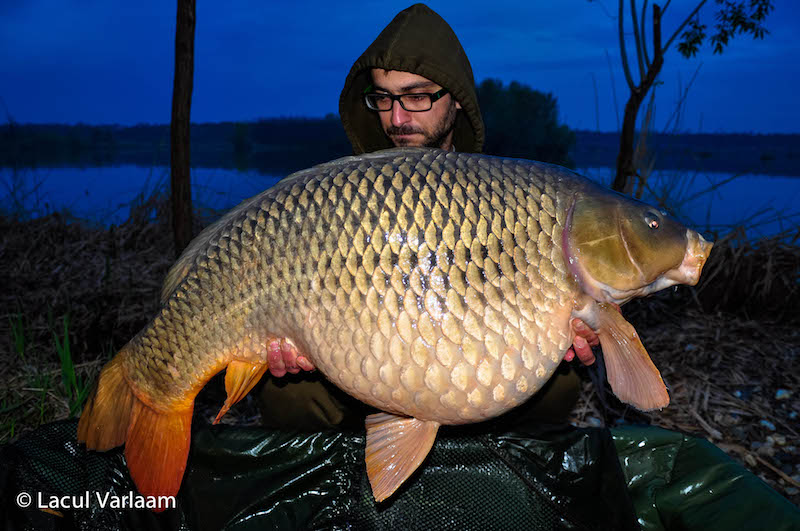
x=435 y=286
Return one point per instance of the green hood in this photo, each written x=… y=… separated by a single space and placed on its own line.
x=418 y=41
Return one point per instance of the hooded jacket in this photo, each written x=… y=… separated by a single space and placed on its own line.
x=419 y=41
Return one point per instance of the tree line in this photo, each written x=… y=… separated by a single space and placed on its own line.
x=520 y=122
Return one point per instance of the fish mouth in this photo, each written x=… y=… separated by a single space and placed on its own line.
x=697 y=251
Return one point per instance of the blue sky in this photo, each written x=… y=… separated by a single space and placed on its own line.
x=100 y=62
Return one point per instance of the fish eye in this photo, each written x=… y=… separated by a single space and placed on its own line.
x=652 y=220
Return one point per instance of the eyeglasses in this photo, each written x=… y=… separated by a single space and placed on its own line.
x=417 y=102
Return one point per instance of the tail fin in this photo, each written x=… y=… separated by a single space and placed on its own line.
x=156 y=442
x=106 y=416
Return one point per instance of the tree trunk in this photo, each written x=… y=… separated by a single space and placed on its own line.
x=180 y=156
x=626 y=169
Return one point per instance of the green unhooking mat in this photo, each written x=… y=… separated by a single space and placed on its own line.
x=531 y=479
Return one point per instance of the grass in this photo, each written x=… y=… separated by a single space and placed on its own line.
x=75 y=294
x=75 y=389
x=36 y=386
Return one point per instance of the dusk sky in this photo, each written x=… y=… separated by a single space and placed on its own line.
x=102 y=62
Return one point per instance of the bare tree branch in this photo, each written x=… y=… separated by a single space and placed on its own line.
x=625 y=67
x=644 y=35
x=733 y=18
x=658 y=51
x=637 y=39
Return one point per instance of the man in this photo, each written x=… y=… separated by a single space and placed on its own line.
x=417 y=52
x=413 y=86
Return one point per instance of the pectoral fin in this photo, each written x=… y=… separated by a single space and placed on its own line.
x=396 y=446
x=240 y=377
x=632 y=375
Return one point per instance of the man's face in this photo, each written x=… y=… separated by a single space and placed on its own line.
x=433 y=128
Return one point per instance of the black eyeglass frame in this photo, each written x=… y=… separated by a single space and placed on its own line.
x=433 y=97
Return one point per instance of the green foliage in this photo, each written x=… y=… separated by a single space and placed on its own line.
x=692 y=38
x=733 y=17
x=523 y=122
x=75 y=388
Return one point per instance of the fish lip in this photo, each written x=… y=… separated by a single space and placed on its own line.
x=698 y=250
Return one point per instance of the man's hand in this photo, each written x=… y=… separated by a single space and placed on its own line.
x=283 y=357
x=585 y=339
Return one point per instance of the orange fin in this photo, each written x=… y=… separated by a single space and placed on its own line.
x=240 y=377
x=396 y=446
x=156 y=442
x=105 y=418
x=632 y=375
x=157 y=449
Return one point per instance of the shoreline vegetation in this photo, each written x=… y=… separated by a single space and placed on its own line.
x=281 y=145
x=729 y=348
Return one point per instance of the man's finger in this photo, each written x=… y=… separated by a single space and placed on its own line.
x=305 y=364
x=583 y=350
x=289 y=355
x=583 y=331
x=275 y=363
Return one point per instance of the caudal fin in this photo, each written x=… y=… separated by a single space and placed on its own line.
x=157 y=449
x=106 y=416
x=156 y=442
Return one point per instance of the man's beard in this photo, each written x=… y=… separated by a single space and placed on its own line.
x=434 y=139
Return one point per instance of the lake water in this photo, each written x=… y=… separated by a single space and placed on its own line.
x=766 y=205
x=105 y=194
x=713 y=202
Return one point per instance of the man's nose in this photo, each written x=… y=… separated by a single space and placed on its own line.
x=400 y=116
